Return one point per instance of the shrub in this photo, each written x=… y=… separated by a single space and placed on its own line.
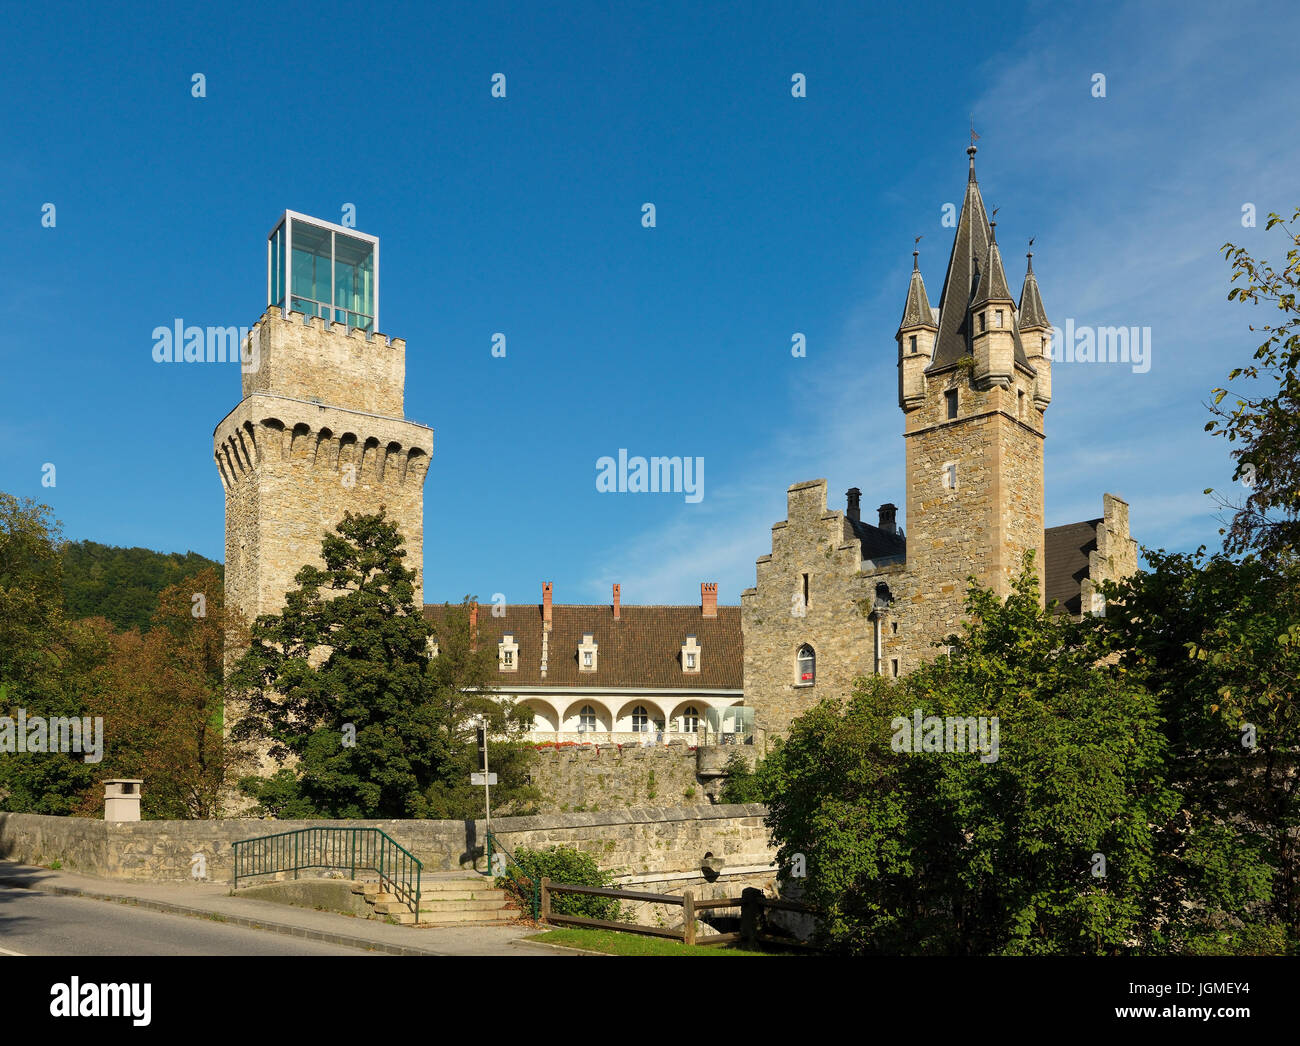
x=562 y=864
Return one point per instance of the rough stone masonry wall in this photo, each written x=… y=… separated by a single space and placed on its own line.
x=646 y=842
x=811 y=541
x=319 y=432
x=604 y=778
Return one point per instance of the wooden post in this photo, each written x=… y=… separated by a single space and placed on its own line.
x=751 y=900
x=546 y=899
x=688 y=912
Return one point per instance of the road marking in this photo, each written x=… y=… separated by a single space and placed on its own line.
x=6 y=951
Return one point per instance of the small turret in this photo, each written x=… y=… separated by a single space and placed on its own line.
x=1036 y=333
x=915 y=339
x=991 y=320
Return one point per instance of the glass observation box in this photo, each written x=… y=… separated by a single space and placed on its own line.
x=325 y=270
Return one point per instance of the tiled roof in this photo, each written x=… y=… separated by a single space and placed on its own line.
x=876 y=543
x=1066 y=551
x=642 y=649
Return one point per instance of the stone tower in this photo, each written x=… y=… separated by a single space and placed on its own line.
x=974 y=381
x=320 y=429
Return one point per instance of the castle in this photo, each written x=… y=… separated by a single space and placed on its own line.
x=320 y=430
x=839 y=597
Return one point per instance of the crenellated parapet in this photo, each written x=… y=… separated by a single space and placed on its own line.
x=303 y=357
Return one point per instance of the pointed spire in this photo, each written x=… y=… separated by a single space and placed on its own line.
x=916 y=311
x=974 y=272
x=1032 y=313
x=994 y=284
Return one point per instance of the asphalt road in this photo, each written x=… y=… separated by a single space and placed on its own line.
x=47 y=924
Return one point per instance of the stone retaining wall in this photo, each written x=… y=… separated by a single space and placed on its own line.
x=644 y=843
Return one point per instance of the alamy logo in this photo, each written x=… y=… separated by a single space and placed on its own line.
x=948 y=734
x=181 y=344
x=75 y=999
x=640 y=475
x=1102 y=345
x=24 y=733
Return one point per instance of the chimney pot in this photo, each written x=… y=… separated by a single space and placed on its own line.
x=709 y=598
x=888 y=521
x=855 y=504
x=616 y=602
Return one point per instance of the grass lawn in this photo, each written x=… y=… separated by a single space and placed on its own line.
x=612 y=942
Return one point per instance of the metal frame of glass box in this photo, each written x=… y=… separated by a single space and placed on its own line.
x=279 y=273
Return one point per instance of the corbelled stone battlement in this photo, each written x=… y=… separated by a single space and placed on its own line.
x=275 y=430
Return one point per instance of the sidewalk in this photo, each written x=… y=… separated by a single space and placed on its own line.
x=213 y=900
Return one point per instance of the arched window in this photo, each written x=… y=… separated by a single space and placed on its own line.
x=640 y=719
x=806 y=664
x=587 y=719
x=690 y=720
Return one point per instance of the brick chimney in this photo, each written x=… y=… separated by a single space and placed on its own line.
x=473 y=625
x=616 y=601
x=546 y=604
x=887 y=521
x=855 y=504
x=709 y=598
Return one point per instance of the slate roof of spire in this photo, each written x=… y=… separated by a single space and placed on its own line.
x=917 y=311
x=969 y=260
x=1032 y=313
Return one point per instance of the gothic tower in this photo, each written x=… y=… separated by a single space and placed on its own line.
x=320 y=428
x=974 y=381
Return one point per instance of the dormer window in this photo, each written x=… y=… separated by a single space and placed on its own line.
x=587 y=653
x=508 y=653
x=691 y=655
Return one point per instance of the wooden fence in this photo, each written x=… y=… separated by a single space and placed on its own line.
x=752 y=902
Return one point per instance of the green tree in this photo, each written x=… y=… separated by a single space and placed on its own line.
x=1217 y=641
x=43 y=659
x=953 y=853
x=1266 y=424
x=341 y=684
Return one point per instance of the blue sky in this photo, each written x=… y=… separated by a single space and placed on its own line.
x=775 y=215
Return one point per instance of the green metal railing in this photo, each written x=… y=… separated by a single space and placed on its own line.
x=529 y=889
x=355 y=849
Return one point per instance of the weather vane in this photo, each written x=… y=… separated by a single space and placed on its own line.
x=973 y=135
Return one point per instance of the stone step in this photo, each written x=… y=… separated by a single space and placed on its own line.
x=483 y=904
x=442 y=918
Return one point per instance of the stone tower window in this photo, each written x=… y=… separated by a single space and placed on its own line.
x=807 y=591
x=998 y=321
x=950 y=476
x=806 y=666
x=1020 y=405
x=982 y=323
x=895 y=667
x=950 y=400
x=911 y=344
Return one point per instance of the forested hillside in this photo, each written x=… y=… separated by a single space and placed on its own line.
x=122 y=584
